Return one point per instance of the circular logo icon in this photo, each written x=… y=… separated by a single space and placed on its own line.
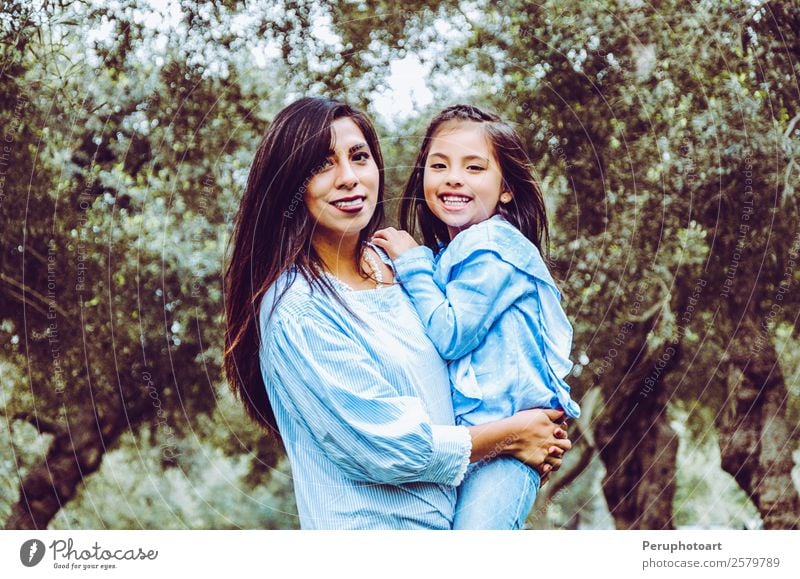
x=31 y=552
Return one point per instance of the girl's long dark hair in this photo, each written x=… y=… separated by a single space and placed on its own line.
x=526 y=211
x=272 y=233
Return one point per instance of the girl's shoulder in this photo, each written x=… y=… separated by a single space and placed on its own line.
x=500 y=238
x=493 y=233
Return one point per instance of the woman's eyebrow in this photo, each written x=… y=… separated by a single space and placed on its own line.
x=350 y=151
x=356 y=147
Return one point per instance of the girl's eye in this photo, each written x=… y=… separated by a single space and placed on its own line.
x=475 y=168
x=437 y=165
x=361 y=156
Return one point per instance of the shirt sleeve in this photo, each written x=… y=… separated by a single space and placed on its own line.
x=328 y=383
x=458 y=316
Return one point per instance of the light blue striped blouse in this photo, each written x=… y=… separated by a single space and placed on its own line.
x=489 y=304
x=364 y=410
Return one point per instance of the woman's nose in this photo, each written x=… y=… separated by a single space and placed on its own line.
x=346 y=178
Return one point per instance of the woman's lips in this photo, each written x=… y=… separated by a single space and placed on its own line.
x=454 y=201
x=352 y=204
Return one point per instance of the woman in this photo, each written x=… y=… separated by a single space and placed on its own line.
x=323 y=347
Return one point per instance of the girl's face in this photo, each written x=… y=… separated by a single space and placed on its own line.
x=341 y=197
x=462 y=180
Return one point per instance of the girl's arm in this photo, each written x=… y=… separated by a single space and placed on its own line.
x=458 y=316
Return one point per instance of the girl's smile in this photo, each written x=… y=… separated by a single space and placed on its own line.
x=462 y=181
x=453 y=201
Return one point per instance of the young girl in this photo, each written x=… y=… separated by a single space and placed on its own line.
x=487 y=300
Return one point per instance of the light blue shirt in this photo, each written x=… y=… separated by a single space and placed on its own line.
x=489 y=304
x=364 y=410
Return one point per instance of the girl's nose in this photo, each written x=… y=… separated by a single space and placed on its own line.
x=454 y=178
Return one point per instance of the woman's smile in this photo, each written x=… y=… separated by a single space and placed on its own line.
x=342 y=195
x=352 y=204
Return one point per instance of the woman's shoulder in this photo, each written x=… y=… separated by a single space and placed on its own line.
x=289 y=298
x=382 y=255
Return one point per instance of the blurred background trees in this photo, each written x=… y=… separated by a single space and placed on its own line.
x=666 y=138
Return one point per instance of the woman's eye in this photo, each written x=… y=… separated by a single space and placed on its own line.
x=361 y=156
x=437 y=165
x=475 y=168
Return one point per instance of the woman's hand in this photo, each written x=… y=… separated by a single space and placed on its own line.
x=537 y=437
x=393 y=241
x=553 y=460
x=541 y=438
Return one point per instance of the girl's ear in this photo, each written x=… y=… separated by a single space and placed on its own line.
x=505 y=197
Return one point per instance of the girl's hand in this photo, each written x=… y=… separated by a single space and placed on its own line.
x=394 y=242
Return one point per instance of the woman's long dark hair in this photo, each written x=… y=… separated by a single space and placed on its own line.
x=272 y=233
x=526 y=211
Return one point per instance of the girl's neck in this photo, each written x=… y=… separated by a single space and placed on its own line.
x=453 y=231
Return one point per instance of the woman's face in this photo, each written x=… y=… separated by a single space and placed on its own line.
x=341 y=197
x=462 y=180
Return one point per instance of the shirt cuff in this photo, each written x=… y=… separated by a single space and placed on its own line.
x=411 y=261
x=452 y=447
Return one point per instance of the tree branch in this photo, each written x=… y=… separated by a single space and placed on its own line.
x=27 y=290
x=790 y=127
x=43 y=425
x=21 y=298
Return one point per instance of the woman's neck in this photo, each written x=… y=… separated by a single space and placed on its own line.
x=339 y=257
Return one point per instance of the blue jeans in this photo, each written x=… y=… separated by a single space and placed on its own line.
x=496 y=494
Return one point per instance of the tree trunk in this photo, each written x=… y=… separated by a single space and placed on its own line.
x=756 y=441
x=634 y=439
x=75 y=452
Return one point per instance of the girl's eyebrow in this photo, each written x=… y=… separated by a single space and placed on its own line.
x=467 y=158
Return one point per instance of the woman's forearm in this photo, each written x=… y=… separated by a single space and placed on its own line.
x=491 y=440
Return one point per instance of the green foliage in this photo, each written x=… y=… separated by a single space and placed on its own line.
x=788 y=347
x=128 y=142
x=21 y=447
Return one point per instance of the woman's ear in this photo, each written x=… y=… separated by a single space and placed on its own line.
x=505 y=197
